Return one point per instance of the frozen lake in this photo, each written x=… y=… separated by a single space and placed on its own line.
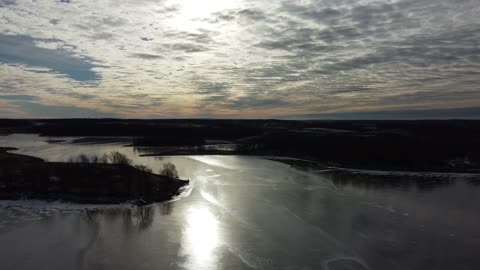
x=245 y=212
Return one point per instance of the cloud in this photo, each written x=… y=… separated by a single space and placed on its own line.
x=210 y=87
x=455 y=113
x=188 y=47
x=146 y=56
x=36 y=107
x=38 y=110
x=19 y=97
x=259 y=102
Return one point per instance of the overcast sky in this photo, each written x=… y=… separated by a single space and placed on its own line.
x=239 y=58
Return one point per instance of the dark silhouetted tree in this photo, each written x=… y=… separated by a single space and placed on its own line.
x=169 y=170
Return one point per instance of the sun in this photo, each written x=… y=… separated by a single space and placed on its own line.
x=194 y=14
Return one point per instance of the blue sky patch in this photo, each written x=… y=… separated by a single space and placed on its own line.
x=22 y=50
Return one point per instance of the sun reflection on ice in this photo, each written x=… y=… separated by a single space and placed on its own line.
x=201 y=238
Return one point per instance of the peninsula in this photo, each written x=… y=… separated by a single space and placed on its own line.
x=26 y=177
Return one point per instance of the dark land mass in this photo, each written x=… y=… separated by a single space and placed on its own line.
x=25 y=177
x=424 y=145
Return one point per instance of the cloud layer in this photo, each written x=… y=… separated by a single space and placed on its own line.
x=237 y=58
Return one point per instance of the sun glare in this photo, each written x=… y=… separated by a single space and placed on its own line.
x=202 y=237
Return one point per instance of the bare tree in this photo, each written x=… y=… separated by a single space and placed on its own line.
x=169 y=170
x=104 y=158
x=94 y=159
x=82 y=158
x=119 y=158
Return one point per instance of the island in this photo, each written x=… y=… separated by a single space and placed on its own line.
x=26 y=177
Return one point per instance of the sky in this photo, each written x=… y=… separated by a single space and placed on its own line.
x=293 y=59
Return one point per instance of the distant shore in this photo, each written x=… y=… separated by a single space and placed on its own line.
x=307 y=164
x=303 y=162
x=446 y=146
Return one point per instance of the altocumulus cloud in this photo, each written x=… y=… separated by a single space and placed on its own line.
x=242 y=58
x=31 y=107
